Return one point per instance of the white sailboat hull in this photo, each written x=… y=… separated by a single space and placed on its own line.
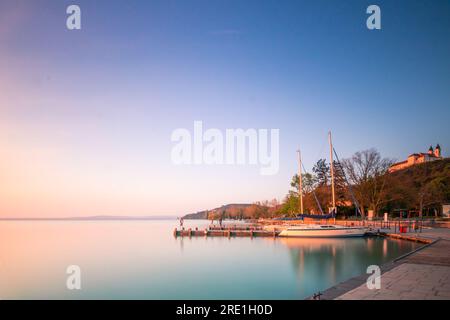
x=323 y=231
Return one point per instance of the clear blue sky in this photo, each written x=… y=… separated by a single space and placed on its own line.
x=86 y=116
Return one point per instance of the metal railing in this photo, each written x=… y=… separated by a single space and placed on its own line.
x=396 y=226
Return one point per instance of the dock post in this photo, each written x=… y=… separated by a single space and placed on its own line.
x=190 y=232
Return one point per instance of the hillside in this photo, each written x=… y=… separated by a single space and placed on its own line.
x=227 y=209
x=432 y=169
x=421 y=186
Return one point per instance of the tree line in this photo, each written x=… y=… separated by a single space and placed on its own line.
x=361 y=182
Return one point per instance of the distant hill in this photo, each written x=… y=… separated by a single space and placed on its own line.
x=225 y=208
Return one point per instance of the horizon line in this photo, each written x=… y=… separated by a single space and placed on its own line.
x=89 y=218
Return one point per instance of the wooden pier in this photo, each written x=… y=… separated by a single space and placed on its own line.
x=414 y=237
x=225 y=232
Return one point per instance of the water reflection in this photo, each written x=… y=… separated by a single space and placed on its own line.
x=142 y=260
x=334 y=260
x=317 y=257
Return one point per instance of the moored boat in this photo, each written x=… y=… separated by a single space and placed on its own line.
x=323 y=231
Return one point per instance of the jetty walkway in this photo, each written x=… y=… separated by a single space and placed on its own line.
x=243 y=230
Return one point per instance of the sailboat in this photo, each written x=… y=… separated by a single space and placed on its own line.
x=321 y=230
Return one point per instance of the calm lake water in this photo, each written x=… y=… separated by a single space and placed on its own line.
x=142 y=260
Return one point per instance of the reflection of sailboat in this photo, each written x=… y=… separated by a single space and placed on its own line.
x=321 y=230
x=318 y=244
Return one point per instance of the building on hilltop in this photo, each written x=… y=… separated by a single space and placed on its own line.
x=417 y=158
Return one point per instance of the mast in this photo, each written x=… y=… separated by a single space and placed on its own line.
x=332 y=172
x=300 y=180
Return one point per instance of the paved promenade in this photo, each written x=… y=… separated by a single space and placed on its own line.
x=422 y=275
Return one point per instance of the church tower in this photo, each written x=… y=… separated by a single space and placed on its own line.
x=437 y=151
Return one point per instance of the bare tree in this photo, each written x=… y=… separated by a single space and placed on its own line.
x=366 y=171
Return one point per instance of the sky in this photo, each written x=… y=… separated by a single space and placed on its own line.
x=86 y=116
